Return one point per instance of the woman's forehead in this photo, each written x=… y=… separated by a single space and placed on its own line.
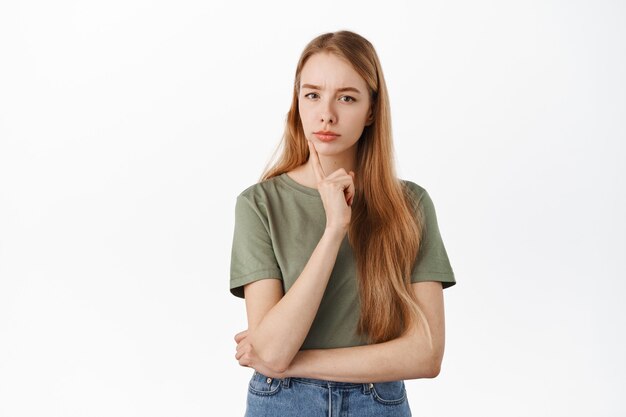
x=326 y=69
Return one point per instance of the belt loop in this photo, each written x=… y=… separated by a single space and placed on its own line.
x=286 y=382
x=367 y=388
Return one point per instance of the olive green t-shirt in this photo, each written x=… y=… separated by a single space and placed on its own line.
x=278 y=224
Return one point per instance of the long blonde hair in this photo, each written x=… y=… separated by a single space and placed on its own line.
x=384 y=230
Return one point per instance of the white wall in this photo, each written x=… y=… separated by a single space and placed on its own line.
x=127 y=128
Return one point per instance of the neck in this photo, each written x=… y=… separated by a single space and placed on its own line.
x=331 y=163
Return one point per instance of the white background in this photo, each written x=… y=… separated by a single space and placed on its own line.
x=127 y=129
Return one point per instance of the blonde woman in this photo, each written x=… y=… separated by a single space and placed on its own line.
x=340 y=262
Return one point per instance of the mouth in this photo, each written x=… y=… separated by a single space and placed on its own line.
x=326 y=136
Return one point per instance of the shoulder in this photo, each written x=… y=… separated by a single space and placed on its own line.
x=262 y=190
x=262 y=195
x=416 y=191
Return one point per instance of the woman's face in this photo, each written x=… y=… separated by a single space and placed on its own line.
x=333 y=98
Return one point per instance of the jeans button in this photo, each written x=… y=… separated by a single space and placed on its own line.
x=269 y=380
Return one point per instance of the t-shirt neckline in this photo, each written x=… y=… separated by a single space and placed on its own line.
x=294 y=184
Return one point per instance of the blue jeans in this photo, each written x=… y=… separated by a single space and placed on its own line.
x=306 y=397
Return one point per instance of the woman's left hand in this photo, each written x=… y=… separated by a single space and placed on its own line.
x=246 y=355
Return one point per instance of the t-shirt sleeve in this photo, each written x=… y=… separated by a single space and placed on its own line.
x=252 y=255
x=432 y=262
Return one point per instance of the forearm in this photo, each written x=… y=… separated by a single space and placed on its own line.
x=407 y=357
x=280 y=334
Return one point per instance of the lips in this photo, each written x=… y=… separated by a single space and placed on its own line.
x=326 y=135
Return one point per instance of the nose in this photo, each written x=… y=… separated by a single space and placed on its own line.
x=327 y=113
x=326 y=118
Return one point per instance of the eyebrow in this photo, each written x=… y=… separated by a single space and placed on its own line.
x=317 y=87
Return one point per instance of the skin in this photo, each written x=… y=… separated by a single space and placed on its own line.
x=327 y=108
x=277 y=322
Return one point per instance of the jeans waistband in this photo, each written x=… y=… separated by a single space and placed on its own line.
x=286 y=382
x=328 y=384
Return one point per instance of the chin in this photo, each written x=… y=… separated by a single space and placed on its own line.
x=333 y=148
x=329 y=149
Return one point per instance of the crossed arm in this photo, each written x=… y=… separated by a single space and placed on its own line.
x=416 y=354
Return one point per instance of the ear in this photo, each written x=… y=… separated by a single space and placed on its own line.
x=370 y=118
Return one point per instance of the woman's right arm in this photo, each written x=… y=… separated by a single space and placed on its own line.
x=277 y=323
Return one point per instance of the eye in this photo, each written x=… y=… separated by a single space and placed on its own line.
x=307 y=95
x=349 y=99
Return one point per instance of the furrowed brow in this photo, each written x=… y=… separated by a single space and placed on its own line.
x=341 y=90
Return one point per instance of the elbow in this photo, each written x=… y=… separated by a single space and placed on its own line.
x=435 y=360
x=427 y=367
x=431 y=360
x=434 y=369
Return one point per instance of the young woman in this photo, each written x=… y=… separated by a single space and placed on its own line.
x=341 y=263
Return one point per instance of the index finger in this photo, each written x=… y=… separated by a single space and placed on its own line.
x=315 y=161
x=241 y=335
